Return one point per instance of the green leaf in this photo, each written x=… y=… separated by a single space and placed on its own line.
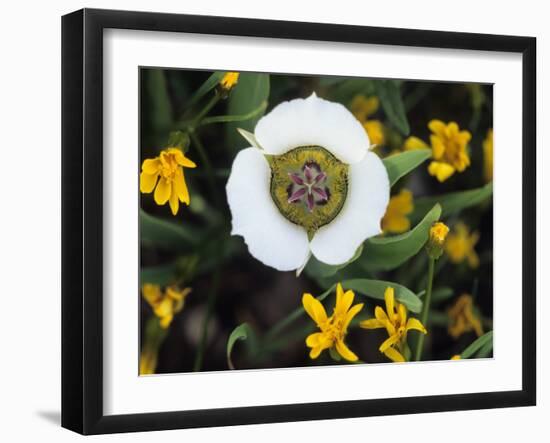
x=206 y=87
x=442 y=294
x=390 y=98
x=241 y=332
x=165 y=234
x=158 y=118
x=377 y=288
x=317 y=269
x=485 y=341
x=251 y=91
x=399 y=165
x=385 y=253
x=158 y=275
x=452 y=203
x=345 y=89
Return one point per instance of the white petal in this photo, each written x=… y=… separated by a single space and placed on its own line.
x=313 y=121
x=270 y=237
x=368 y=196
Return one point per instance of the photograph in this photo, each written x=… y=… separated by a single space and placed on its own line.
x=303 y=220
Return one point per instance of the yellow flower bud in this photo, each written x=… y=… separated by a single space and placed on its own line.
x=229 y=80
x=438 y=234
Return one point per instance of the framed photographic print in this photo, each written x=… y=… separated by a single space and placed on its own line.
x=270 y=221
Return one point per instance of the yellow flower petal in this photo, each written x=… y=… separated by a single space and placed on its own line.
x=452 y=129
x=350 y=314
x=401 y=314
x=151 y=165
x=394 y=355
x=147 y=182
x=362 y=107
x=174 y=203
x=375 y=131
x=437 y=127
x=344 y=302
x=390 y=341
x=181 y=159
x=412 y=143
x=442 y=171
x=166 y=321
x=414 y=323
x=315 y=352
x=314 y=339
x=345 y=352
x=372 y=323
x=438 y=147
x=163 y=191
x=315 y=309
x=396 y=225
x=151 y=293
x=380 y=315
x=456 y=357
x=389 y=298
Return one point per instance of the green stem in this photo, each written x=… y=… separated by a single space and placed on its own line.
x=425 y=308
x=212 y=296
x=198 y=118
x=210 y=175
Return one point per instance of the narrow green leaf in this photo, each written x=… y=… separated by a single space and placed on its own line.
x=206 y=87
x=385 y=253
x=390 y=97
x=251 y=91
x=485 y=340
x=236 y=118
x=166 y=234
x=156 y=102
x=452 y=203
x=241 y=332
x=377 y=288
x=399 y=165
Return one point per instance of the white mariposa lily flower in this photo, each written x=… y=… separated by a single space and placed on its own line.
x=310 y=185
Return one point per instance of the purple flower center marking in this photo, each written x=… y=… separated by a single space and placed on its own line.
x=308 y=186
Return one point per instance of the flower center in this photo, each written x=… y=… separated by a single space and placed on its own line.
x=169 y=165
x=309 y=186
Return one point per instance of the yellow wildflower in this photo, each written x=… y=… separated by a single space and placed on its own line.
x=460 y=245
x=456 y=357
x=395 y=321
x=165 y=304
x=164 y=174
x=147 y=361
x=448 y=149
x=462 y=318
x=229 y=80
x=488 y=156
x=395 y=220
x=362 y=108
x=333 y=328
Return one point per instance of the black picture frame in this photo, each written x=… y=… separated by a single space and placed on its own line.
x=82 y=219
